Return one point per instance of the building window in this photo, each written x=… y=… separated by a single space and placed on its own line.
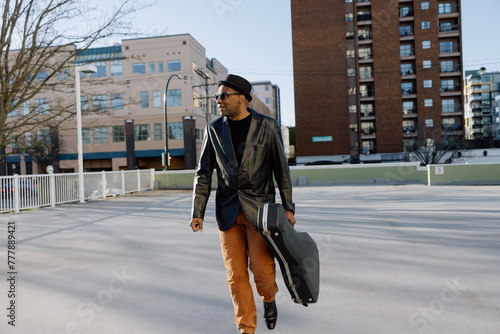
x=426 y=25
x=139 y=68
x=351 y=72
x=427 y=64
x=365 y=53
x=429 y=122
x=26 y=108
x=267 y=87
x=141 y=132
x=365 y=72
x=115 y=67
x=406 y=50
x=173 y=65
x=427 y=83
x=14 y=112
x=158 y=131
x=405 y=31
x=267 y=100
x=428 y=102
x=353 y=109
x=407 y=88
x=175 y=130
x=426 y=44
x=42 y=106
x=99 y=102
x=445 y=47
x=84 y=100
x=408 y=107
x=367 y=109
x=349 y=16
x=43 y=136
x=351 y=90
x=349 y=35
x=174 y=98
x=144 y=99
x=447 y=85
x=160 y=67
x=86 y=135
x=117 y=101
x=151 y=67
x=407 y=69
x=118 y=133
x=350 y=53
x=444 y=8
x=448 y=105
x=447 y=66
x=157 y=98
x=199 y=134
x=406 y=11
x=41 y=76
x=100 y=134
x=101 y=69
x=424 y=5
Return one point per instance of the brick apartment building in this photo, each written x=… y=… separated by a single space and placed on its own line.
x=372 y=77
x=129 y=88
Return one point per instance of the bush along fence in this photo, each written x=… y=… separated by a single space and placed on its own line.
x=21 y=192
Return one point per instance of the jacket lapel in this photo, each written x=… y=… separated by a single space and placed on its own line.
x=226 y=141
x=252 y=133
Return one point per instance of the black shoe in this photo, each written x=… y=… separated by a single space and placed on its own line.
x=270 y=314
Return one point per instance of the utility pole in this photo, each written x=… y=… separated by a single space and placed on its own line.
x=206 y=85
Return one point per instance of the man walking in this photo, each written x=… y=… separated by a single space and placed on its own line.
x=246 y=150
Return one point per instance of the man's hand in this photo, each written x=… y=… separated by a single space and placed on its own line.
x=197 y=224
x=290 y=217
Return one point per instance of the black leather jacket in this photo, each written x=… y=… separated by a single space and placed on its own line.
x=249 y=185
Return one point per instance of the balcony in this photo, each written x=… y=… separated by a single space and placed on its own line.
x=406 y=72
x=447 y=10
x=449 y=50
x=450 y=70
x=451 y=110
x=362 y=36
x=451 y=90
x=367 y=93
x=450 y=30
x=366 y=76
x=409 y=91
x=410 y=131
x=367 y=115
x=407 y=54
x=368 y=131
x=364 y=17
x=405 y=14
x=409 y=112
x=406 y=33
x=365 y=57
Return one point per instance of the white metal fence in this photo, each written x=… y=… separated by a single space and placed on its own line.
x=20 y=192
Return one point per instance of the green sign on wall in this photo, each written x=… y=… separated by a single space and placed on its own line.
x=322 y=138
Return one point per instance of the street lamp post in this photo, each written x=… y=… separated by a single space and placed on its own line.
x=165 y=155
x=84 y=69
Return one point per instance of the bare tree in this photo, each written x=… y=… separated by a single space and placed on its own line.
x=38 y=44
x=436 y=149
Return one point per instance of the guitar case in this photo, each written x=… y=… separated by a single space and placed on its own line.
x=296 y=252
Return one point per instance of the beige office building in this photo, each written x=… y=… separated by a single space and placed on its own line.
x=125 y=98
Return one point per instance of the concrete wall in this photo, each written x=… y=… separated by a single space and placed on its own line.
x=377 y=174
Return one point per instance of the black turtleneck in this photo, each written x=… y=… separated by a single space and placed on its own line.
x=239 y=131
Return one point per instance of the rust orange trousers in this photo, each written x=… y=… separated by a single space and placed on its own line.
x=243 y=247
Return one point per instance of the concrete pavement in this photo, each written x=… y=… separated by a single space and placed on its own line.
x=394 y=259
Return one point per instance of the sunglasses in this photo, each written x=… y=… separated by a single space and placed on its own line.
x=223 y=95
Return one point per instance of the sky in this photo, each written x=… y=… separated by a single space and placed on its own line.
x=253 y=38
